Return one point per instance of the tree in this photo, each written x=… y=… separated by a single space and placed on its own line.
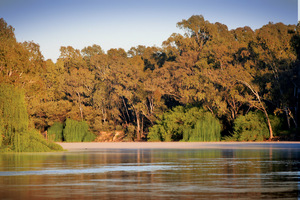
x=90 y=51
x=15 y=124
x=78 y=80
x=129 y=80
x=78 y=87
x=277 y=57
x=259 y=105
x=13 y=112
x=227 y=73
x=75 y=131
x=250 y=127
x=186 y=124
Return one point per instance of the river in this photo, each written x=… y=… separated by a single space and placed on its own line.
x=257 y=172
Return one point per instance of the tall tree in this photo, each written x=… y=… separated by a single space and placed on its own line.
x=277 y=58
x=78 y=81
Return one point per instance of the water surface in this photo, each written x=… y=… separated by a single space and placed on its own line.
x=237 y=173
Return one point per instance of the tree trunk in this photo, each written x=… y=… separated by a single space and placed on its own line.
x=142 y=124
x=80 y=106
x=104 y=114
x=126 y=110
x=262 y=107
x=138 y=128
x=287 y=117
x=269 y=124
x=292 y=117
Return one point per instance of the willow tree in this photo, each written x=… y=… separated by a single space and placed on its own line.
x=22 y=65
x=75 y=131
x=186 y=124
x=14 y=124
x=13 y=112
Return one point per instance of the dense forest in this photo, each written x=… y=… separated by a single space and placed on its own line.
x=209 y=84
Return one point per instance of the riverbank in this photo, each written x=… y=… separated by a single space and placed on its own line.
x=77 y=146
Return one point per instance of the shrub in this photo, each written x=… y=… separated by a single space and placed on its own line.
x=32 y=141
x=207 y=129
x=170 y=127
x=89 y=137
x=155 y=134
x=130 y=133
x=250 y=127
x=55 y=132
x=186 y=124
x=276 y=123
x=75 y=131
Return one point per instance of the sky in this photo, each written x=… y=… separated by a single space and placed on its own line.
x=129 y=23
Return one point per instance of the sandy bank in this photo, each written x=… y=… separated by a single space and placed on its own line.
x=176 y=145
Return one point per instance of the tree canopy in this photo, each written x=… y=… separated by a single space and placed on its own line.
x=230 y=74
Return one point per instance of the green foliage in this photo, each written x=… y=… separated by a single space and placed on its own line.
x=55 y=132
x=207 y=129
x=89 y=137
x=1 y=132
x=13 y=111
x=250 y=127
x=170 y=126
x=276 y=123
x=14 y=124
x=188 y=124
x=130 y=133
x=32 y=141
x=1 y=139
x=155 y=134
x=224 y=71
x=75 y=131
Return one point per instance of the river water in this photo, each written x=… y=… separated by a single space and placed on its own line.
x=271 y=172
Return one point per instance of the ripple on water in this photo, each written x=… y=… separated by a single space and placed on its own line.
x=95 y=170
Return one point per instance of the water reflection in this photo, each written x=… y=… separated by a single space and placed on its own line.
x=152 y=174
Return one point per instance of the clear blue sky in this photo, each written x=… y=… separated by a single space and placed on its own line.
x=127 y=23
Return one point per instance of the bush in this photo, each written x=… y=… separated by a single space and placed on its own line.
x=55 y=132
x=186 y=124
x=170 y=127
x=89 y=137
x=207 y=129
x=75 y=131
x=32 y=141
x=276 y=123
x=250 y=127
x=130 y=133
x=155 y=134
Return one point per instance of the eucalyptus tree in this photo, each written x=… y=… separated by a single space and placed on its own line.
x=78 y=80
x=276 y=58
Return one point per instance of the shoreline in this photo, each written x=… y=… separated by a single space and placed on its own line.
x=81 y=146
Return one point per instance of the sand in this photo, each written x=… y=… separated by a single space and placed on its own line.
x=176 y=145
